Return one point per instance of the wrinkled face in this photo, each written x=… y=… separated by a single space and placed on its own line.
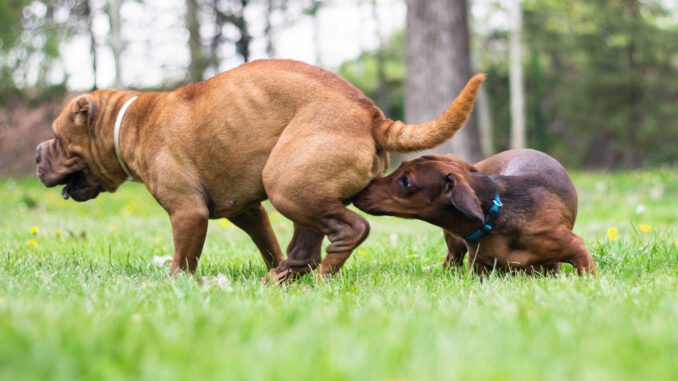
x=426 y=188
x=65 y=160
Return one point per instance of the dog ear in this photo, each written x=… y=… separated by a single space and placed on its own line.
x=83 y=110
x=464 y=198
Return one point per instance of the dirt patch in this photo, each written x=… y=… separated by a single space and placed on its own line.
x=21 y=129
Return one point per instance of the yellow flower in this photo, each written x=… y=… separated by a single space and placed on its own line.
x=111 y=227
x=612 y=233
x=129 y=209
x=225 y=223
x=362 y=252
x=59 y=233
x=34 y=230
x=158 y=239
x=31 y=243
x=644 y=228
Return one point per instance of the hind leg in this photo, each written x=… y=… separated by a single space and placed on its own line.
x=565 y=246
x=308 y=178
x=580 y=257
x=345 y=230
x=303 y=255
x=254 y=221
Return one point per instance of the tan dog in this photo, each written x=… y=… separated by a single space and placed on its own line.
x=278 y=129
x=514 y=210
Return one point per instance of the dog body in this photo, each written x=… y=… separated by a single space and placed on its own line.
x=278 y=129
x=536 y=209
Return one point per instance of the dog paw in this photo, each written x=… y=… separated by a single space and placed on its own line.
x=277 y=277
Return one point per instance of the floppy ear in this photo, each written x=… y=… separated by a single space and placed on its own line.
x=464 y=198
x=83 y=110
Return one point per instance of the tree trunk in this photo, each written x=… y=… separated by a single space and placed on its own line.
x=485 y=122
x=236 y=17
x=634 y=89
x=115 y=40
x=438 y=66
x=198 y=64
x=517 y=90
x=382 y=90
x=243 y=44
x=92 y=42
x=316 y=32
x=268 y=29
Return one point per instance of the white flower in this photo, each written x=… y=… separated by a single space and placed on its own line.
x=220 y=281
x=394 y=239
x=640 y=209
x=657 y=192
x=160 y=261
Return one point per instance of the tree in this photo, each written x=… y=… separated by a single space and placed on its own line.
x=518 y=138
x=312 y=10
x=198 y=63
x=89 y=18
x=363 y=72
x=484 y=112
x=438 y=67
x=31 y=33
x=382 y=95
x=115 y=40
x=609 y=82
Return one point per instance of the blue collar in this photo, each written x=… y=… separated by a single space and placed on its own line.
x=490 y=219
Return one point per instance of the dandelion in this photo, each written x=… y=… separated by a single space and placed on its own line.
x=644 y=228
x=394 y=239
x=612 y=233
x=362 y=252
x=34 y=230
x=220 y=281
x=59 y=233
x=158 y=239
x=160 y=261
x=31 y=243
x=225 y=223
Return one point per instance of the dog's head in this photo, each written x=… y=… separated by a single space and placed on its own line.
x=432 y=188
x=69 y=158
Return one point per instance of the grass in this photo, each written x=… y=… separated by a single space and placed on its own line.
x=83 y=299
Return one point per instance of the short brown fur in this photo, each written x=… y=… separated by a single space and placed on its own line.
x=533 y=231
x=278 y=129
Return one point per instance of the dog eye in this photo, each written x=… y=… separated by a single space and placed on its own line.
x=405 y=183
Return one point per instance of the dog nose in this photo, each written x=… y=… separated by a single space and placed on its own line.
x=38 y=154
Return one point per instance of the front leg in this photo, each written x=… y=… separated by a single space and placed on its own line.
x=189 y=227
x=456 y=250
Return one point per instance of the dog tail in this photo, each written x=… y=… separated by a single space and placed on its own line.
x=396 y=136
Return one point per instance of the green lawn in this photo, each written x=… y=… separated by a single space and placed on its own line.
x=83 y=299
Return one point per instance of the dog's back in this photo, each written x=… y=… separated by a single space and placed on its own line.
x=537 y=166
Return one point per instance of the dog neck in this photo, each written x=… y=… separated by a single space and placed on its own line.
x=105 y=155
x=116 y=136
x=486 y=188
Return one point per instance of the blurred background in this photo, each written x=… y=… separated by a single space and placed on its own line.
x=592 y=82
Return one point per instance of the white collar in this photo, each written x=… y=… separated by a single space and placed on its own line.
x=116 y=136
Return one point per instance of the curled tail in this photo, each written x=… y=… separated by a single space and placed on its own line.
x=400 y=137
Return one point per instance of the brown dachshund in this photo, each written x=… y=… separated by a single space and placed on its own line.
x=513 y=211
x=293 y=133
